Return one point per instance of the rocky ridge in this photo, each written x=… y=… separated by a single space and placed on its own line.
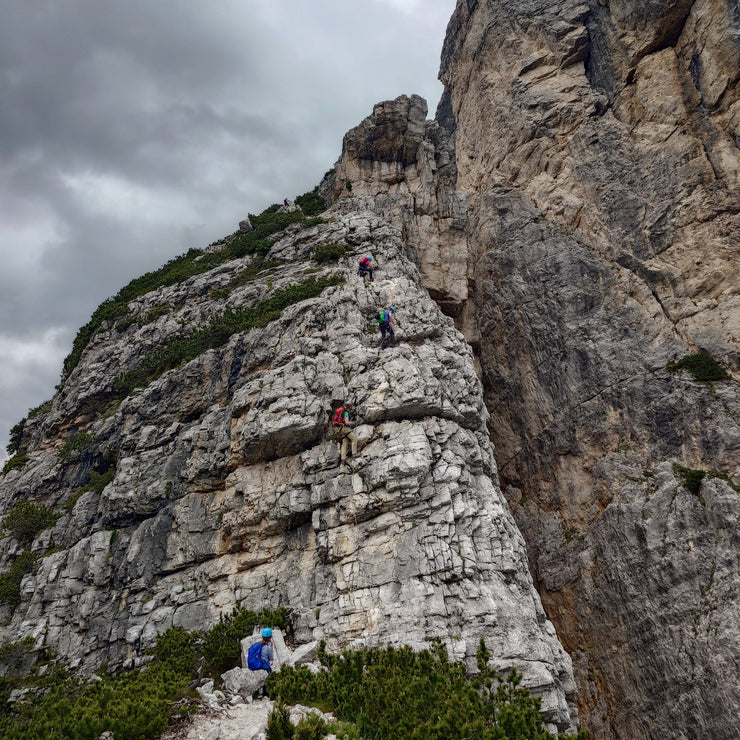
x=227 y=491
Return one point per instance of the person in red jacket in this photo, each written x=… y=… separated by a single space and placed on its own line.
x=345 y=422
x=366 y=268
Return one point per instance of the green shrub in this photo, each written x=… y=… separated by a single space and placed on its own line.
x=311 y=203
x=691 y=478
x=10 y=581
x=396 y=693
x=12 y=655
x=329 y=252
x=77 y=445
x=26 y=520
x=155 y=313
x=222 y=643
x=42 y=408
x=310 y=727
x=701 y=365
x=16 y=432
x=265 y=225
x=135 y=706
x=17 y=461
x=279 y=726
x=16 y=436
x=178 y=648
x=723 y=476
x=124 y=324
x=218 y=333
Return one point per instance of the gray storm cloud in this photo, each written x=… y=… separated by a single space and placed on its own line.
x=131 y=131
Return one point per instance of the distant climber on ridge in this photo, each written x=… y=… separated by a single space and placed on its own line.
x=344 y=421
x=385 y=321
x=366 y=268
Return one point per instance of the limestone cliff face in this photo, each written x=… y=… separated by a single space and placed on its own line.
x=227 y=491
x=596 y=161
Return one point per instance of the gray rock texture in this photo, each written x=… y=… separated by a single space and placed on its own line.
x=593 y=147
x=228 y=492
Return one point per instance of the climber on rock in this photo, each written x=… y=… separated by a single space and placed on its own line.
x=366 y=268
x=344 y=421
x=385 y=322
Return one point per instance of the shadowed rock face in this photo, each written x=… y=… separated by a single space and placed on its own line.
x=596 y=158
x=227 y=491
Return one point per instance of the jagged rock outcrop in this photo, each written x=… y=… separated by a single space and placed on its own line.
x=227 y=492
x=596 y=152
x=403 y=168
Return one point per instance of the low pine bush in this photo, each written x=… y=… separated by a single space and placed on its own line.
x=179 y=269
x=329 y=252
x=701 y=365
x=26 y=520
x=691 y=478
x=17 y=461
x=396 y=693
x=16 y=436
x=311 y=203
x=279 y=726
x=311 y=727
x=10 y=581
x=259 y=265
x=98 y=481
x=76 y=446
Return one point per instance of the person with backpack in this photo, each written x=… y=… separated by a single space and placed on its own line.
x=366 y=268
x=344 y=421
x=261 y=654
x=385 y=322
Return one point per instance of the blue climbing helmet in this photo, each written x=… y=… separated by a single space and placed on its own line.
x=393 y=308
x=267 y=632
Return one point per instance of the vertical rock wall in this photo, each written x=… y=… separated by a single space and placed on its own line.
x=597 y=148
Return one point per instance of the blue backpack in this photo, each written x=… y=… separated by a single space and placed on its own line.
x=254 y=657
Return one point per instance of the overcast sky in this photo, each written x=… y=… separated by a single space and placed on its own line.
x=132 y=130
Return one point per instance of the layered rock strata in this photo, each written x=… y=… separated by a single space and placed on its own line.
x=227 y=491
x=595 y=149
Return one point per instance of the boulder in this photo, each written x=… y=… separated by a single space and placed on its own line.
x=244 y=682
x=304 y=653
